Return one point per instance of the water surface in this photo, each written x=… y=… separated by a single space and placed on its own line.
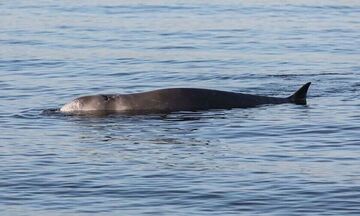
x=271 y=160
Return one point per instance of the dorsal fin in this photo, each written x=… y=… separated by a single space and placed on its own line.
x=299 y=97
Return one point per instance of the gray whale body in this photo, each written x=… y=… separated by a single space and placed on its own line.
x=175 y=99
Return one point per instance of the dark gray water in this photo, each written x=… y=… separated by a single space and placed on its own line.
x=271 y=160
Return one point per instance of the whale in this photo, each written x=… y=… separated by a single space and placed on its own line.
x=170 y=100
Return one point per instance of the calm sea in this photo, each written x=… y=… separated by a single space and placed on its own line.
x=271 y=160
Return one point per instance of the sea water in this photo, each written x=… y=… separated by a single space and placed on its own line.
x=270 y=160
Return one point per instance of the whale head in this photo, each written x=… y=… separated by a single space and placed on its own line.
x=86 y=104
